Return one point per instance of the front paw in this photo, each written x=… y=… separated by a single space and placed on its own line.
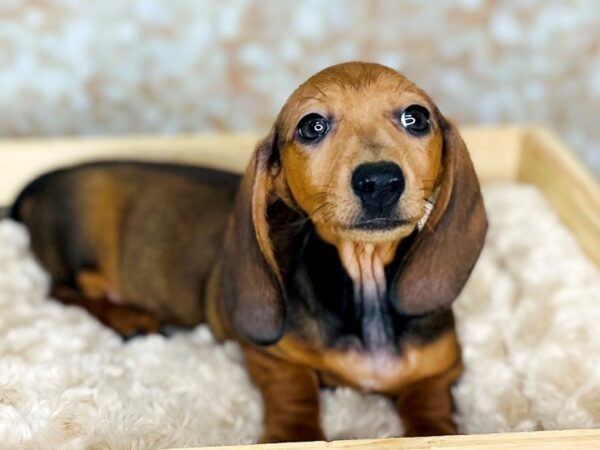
x=430 y=427
x=297 y=433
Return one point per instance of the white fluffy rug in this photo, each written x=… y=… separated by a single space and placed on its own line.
x=529 y=321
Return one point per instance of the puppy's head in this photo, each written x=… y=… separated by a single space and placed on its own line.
x=360 y=149
x=367 y=157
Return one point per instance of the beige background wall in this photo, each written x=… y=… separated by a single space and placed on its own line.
x=146 y=66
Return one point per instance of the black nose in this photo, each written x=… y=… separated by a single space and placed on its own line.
x=378 y=185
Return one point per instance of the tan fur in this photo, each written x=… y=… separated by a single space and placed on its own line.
x=102 y=222
x=291 y=397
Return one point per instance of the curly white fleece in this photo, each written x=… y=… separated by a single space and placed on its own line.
x=528 y=321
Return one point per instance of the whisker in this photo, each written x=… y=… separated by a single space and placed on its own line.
x=322 y=209
x=324 y=220
x=315 y=211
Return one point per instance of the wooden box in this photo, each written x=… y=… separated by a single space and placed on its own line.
x=525 y=154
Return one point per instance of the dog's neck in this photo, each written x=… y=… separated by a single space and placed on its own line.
x=365 y=264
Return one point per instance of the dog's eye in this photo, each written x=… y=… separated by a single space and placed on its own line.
x=415 y=119
x=313 y=127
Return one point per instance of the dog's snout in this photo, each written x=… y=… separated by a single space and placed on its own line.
x=378 y=185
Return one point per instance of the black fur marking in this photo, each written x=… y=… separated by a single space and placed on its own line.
x=320 y=291
x=372 y=312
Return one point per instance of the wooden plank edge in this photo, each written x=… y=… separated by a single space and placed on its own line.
x=570 y=188
x=23 y=159
x=495 y=151
x=536 y=440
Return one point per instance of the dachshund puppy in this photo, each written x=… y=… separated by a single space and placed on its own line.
x=333 y=261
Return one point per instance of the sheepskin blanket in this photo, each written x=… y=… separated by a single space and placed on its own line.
x=528 y=321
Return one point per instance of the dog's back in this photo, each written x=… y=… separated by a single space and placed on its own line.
x=128 y=224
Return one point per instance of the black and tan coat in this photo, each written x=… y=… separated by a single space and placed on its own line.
x=333 y=260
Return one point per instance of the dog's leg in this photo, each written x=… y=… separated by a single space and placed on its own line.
x=125 y=320
x=425 y=406
x=290 y=395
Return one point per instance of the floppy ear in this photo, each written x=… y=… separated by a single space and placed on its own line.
x=440 y=260
x=253 y=283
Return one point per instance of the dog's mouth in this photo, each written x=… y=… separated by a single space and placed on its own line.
x=379 y=224
x=376 y=230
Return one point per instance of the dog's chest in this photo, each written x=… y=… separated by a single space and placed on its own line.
x=376 y=372
x=383 y=371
